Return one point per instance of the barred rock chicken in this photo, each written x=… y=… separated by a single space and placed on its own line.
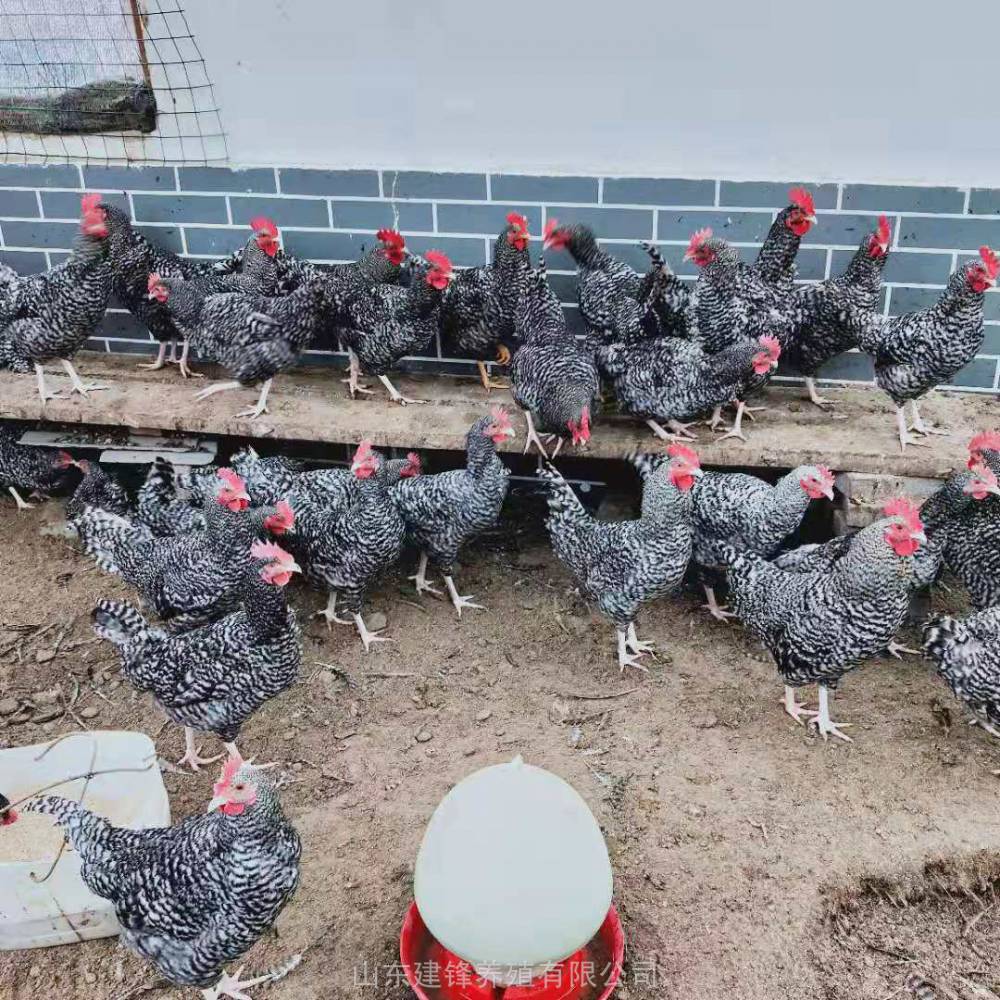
x=775 y=261
x=195 y=896
x=616 y=301
x=267 y=479
x=742 y=511
x=134 y=259
x=193 y=578
x=818 y=626
x=166 y=507
x=30 y=468
x=442 y=512
x=972 y=550
x=51 y=315
x=386 y=323
x=621 y=564
x=253 y=337
x=671 y=381
x=824 y=332
x=553 y=376
x=917 y=351
x=479 y=306
x=212 y=679
x=967 y=654
x=97 y=489
x=344 y=539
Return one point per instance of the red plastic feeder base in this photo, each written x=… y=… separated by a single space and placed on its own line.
x=434 y=973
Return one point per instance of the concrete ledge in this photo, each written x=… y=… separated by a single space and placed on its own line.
x=312 y=405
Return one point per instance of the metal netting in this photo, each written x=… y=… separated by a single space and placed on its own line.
x=105 y=81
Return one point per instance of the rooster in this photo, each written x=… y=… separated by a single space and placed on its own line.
x=554 y=377
x=30 y=468
x=616 y=301
x=823 y=332
x=817 y=626
x=253 y=337
x=385 y=323
x=194 y=896
x=51 y=315
x=672 y=382
x=97 y=488
x=344 y=539
x=444 y=511
x=967 y=654
x=134 y=259
x=478 y=308
x=742 y=511
x=622 y=564
x=192 y=578
x=917 y=351
x=212 y=679
x=775 y=263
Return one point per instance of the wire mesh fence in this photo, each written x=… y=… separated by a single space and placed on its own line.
x=104 y=81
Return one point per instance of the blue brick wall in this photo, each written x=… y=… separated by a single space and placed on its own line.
x=329 y=215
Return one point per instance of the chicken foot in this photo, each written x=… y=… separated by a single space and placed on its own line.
x=905 y=437
x=21 y=504
x=532 y=437
x=253 y=412
x=713 y=607
x=796 y=709
x=420 y=578
x=814 y=397
x=233 y=986
x=825 y=726
x=330 y=614
x=680 y=431
x=459 y=602
x=192 y=754
x=919 y=427
x=76 y=385
x=161 y=357
x=395 y=395
x=489 y=383
x=354 y=373
x=625 y=658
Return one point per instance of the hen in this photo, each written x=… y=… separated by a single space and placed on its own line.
x=621 y=564
x=967 y=654
x=212 y=679
x=345 y=537
x=671 y=381
x=744 y=512
x=97 y=489
x=615 y=300
x=824 y=332
x=478 y=308
x=166 y=507
x=553 y=376
x=817 y=626
x=442 y=512
x=385 y=323
x=253 y=337
x=192 y=578
x=51 y=315
x=30 y=468
x=775 y=263
x=915 y=352
x=194 y=896
x=134 y=259
x=267 y=479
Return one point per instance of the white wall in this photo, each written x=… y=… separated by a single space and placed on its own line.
x=861 y=90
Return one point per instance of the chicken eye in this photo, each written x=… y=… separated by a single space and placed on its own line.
x=240 y=788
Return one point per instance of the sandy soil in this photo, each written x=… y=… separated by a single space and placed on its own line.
x=738 y=840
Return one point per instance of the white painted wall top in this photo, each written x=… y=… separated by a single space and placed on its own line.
x=855 y=90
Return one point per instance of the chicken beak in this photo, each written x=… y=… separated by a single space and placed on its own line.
x=697 y=472
x=921 y=537
x=828 y=492
x=217 y=803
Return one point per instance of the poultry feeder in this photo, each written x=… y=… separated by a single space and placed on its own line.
x=38 y=911
x=512 y=890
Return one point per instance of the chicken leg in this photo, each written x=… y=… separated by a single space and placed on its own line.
x=635 y=645
x=395 y=395
x=253 y=412
x=459 y=602
x=680 y=431
x=737 y=429
x=626 y=659
x=182 y=362
x=161 y=358
x=814 y=397
x=44 y=392
x=532 y=437
x=21 y=504
x=919 y=427
x=825 y=726
x=714 y=608
x=76 y=385
x=489 y=383
x=354 y=373
x=905 y=437
x=192 y=753
x=233 y=986
x=420 y=578
x=261 y=405
x=796 y=709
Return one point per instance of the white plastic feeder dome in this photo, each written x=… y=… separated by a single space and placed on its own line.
x=513 y=872
x=62 y=910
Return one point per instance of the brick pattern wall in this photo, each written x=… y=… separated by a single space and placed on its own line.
x=328 y=215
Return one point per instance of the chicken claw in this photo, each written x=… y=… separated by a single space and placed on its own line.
x=796 y=709
x=626 y=659
x=635 y=645
x=21 y=504
x=825 y=726
x=395 y=395
x=233 y=986
x=420 y=578
x=456 y=600
x=192 y=754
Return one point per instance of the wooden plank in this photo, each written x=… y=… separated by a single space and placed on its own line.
x=312 y=405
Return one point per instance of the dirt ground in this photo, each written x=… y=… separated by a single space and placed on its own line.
x=740 y=842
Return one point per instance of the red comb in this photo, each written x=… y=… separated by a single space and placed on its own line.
x=682 y=451
x=550 y=227
x=803 y=199
x=905 y=508
x=699 y=237
x=984 y=441
x=500 y=415
x=772 y=345
x=439 y=260
x=884 y=232
x=152 y=282
x=390 y=238
x=89 y=202
x=269 y=550
x=991 y=261
x=825 y=474
x=285 y=512
x=413 y=459
x=263 y=224
x=233 y=763
x=364 y=450
x=517 y=220
x=232 y=479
